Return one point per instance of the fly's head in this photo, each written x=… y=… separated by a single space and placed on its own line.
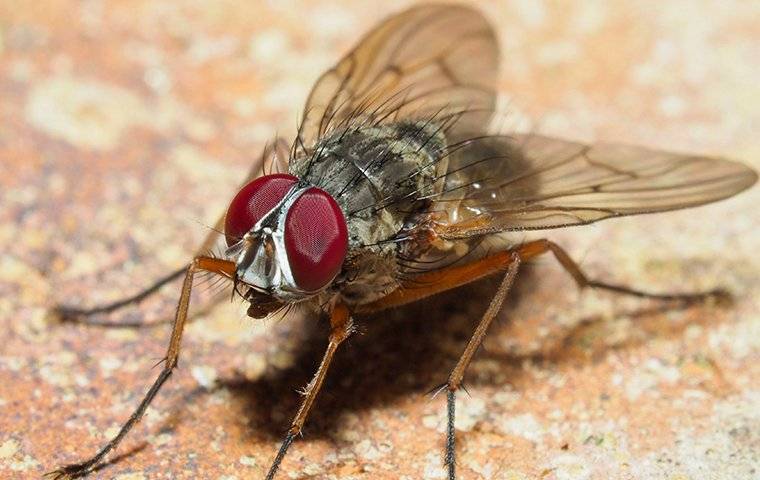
x=288 y=240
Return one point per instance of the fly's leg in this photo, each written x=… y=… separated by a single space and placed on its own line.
x=539 y=247
x=341 y=327
x=519 y=254
x=437 y=281
x=82 y=315
x=273 y=159
x=434 y=282
x=213 y=265
x=454 y=382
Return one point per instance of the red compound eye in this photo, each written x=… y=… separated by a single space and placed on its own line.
x=252 y=202
x=316 y=239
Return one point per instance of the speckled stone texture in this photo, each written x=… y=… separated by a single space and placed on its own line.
x=124 y=129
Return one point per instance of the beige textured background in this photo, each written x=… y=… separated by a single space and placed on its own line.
x=124 y=129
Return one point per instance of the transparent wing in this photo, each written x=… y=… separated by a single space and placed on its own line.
x=430 y=61
x=530 y=182
x=274 y=159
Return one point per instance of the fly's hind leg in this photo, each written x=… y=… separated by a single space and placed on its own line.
x=512 y=263
x=518 y=255
x=434 y=282
x=539 y=247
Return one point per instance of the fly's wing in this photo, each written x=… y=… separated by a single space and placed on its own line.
x=432 y=62
x=274 y=159
x=497 y=184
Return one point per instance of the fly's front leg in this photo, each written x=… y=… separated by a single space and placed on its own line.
x=273 y=157
x=71 y=314
x=170 y=360
x=341 y=327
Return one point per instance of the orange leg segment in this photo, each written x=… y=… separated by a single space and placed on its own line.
x=438 y=281
x=341 y=327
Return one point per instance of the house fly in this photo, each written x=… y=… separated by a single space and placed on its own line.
x=392 y=185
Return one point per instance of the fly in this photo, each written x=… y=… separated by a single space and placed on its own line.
x=392 y=185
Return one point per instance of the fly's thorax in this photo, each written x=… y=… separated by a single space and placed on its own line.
x=378 y=176
x=377 y=173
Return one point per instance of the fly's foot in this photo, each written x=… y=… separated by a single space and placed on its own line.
x=70 y=472
x=720 y=296
x=62 y=314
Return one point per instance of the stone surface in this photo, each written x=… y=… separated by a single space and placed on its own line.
x=124 y=129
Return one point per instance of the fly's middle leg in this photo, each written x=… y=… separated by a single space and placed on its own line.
x=434 y=282
x=456 y=377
